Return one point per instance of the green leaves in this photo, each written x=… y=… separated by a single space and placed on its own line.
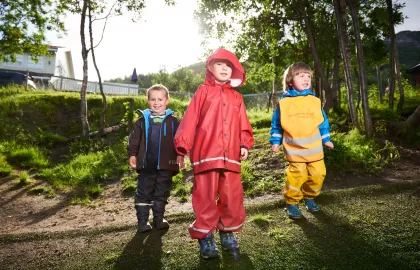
x=23 y=24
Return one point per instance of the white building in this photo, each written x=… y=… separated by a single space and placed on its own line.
x=58 y=62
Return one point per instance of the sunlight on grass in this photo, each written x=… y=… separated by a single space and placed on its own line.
x=30 y=157
x=5 y=168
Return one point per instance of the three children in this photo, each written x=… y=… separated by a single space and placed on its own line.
x=217 y=134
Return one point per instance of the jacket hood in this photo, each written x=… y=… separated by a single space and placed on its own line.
x=238 y=74
x=295 y=93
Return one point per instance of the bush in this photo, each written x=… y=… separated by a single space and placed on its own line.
x=5 y=168
x=22 y=156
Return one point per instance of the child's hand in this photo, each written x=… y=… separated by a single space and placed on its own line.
x=244 y=153
x=133 y=161
x=329 y=145
x=275 y=147
x=180 y=161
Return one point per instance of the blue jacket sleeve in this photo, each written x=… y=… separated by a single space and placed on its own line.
x=276 y=130
x=324 y=129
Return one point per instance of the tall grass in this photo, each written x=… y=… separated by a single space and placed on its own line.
x=24 y=156
x=5 y=168
x=354 y=152
x=88 y=169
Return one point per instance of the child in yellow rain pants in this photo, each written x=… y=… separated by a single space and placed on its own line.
x=300 y=124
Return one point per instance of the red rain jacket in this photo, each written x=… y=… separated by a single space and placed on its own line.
x=215 y=124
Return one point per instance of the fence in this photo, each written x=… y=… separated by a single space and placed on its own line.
x=259 y=100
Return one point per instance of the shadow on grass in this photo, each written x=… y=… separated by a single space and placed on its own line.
x=334 y=243
x=144 y=251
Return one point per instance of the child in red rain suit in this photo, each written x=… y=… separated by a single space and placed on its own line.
x=217 y=133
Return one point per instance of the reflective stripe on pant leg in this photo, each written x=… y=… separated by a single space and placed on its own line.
x=316 y=176
x=296 y=175
x=204 y=196
x=231 y=202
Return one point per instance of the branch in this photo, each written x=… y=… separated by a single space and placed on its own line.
x=109 y=13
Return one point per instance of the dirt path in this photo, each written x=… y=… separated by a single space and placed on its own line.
x=23 y=213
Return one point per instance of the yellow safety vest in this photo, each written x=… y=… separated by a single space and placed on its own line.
x=300 y=117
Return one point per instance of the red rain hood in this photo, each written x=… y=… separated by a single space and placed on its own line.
x=238 y=74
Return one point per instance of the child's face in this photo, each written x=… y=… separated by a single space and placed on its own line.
x=221 y=69
x=302 y=81
x=158 y=101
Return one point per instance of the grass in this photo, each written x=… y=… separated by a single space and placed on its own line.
x=5 y=168
x=24 y=156
x=360 y=228
x=40 y=123
x=44 y=190
x=23 y=178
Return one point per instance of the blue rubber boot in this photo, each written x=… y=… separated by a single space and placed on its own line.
x=311 y=205
x=228 y=241
x=208 y=248
x=293 y=211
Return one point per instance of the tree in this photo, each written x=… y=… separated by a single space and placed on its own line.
x=392 y=60
x=339 y=7
x=82 y=7
x=314 y=51
x=362 y=73
x=23 y=24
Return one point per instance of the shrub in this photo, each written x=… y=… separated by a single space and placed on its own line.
x=5 y=168
x=27 y=157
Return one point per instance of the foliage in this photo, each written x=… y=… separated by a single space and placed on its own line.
x=5 y=168
x=23 y=25
x=129 y=183
x=359 y=153
x=47 y=191
x=23 y=178
x=94 y=191
x=88 y=169
x=24 y=156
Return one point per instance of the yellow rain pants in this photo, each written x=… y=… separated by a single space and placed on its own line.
x=304 y=180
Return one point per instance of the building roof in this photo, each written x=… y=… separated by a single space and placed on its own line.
x=413 y=69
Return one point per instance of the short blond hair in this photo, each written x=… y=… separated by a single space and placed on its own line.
x=157 y=87
x=292 y=71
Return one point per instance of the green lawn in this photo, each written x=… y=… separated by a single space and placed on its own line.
x=372 y=227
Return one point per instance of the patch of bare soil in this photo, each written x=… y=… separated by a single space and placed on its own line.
x=23 y=213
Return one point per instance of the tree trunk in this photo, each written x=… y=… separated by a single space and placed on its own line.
x=392 y=37
x=275 y=83
x=339 y=7
x=101 y=88
x=398 y=75
x=336 y=80
x=85 y=52
x=362 y=73
x=317 y=61
x=413 y=120
x=104 y=132
x=378 y=75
